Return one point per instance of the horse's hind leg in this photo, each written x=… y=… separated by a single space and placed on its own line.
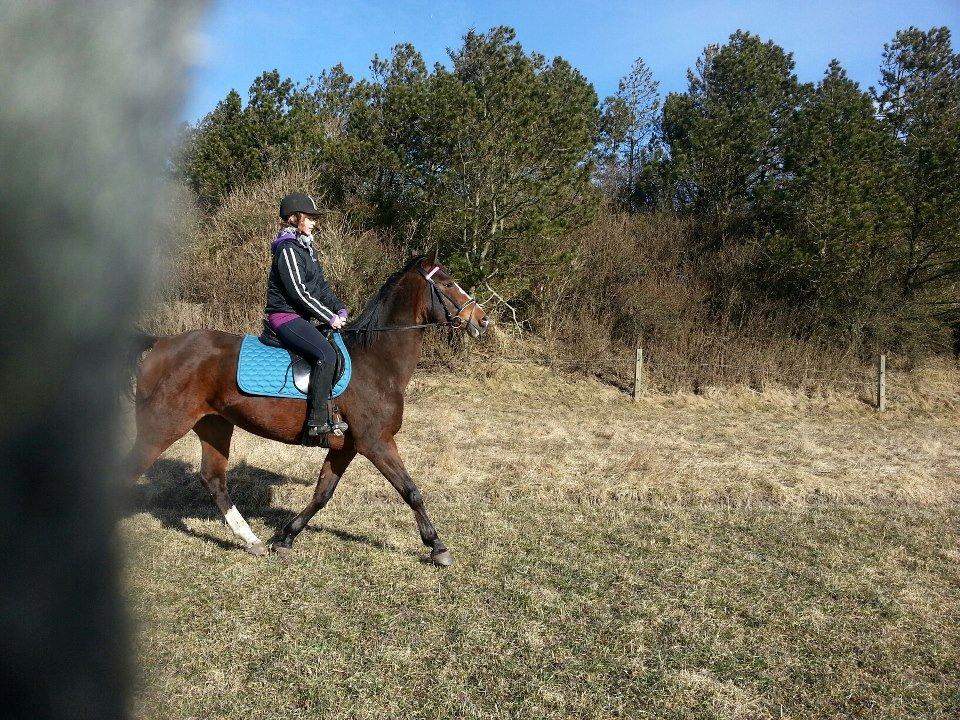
x=142 y=455
x=215 y=434
x=155 y=433
x=386 y=458
x=334 y=466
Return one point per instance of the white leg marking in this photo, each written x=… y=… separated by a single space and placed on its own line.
x=239 y=525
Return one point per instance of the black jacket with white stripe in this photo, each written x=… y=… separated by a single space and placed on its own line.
x=296 y=282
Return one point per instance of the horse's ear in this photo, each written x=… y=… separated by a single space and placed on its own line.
x=432 y=257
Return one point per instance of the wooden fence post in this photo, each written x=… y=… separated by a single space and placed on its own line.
x=882 y=383
x=638 y=375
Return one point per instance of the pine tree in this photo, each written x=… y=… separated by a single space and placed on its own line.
x=725 y=134
x=280 y=121
x=919 y=100
x=841 y=210
x=220 y=152
x=628 y=124
x=485 y=158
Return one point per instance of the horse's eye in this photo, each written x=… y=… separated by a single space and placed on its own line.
x=448 y=284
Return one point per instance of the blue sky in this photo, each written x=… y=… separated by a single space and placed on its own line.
x=241 y=38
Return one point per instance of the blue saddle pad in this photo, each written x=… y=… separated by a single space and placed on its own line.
x=267 y=370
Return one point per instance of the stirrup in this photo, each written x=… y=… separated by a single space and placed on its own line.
x=323 y=436
x=335 y=428
x=315 y=436
x=335 y=423
x=316 y=431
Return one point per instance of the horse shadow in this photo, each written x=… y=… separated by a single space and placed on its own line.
x=175 y=494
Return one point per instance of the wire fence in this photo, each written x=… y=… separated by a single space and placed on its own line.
x=664 y=373
x=870 y=381
x=808 y=374
x=694 y=366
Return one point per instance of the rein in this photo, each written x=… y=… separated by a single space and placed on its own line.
x=397 y=328
x=454 y=321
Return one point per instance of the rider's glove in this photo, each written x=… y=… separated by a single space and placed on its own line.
x=341 y=315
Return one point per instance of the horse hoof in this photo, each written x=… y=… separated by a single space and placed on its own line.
x=281 y=549
x=442 y=558
x=257 y=548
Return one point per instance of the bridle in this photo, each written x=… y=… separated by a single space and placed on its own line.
x=453 y=320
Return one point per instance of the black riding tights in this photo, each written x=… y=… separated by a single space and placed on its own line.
x=305 y=340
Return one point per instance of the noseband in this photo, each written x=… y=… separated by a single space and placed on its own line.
x=454 y=319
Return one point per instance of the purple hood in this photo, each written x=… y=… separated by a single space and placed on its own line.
x=281 y=237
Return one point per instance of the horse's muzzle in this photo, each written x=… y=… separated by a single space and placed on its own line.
x=478 y=328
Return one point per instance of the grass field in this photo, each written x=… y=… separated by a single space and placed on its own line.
x=729 y=555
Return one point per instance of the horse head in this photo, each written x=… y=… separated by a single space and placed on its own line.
x=447 y=302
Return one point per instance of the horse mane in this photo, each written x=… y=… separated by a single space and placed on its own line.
x=361 y=332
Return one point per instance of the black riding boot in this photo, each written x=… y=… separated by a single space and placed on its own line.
x=318 y=418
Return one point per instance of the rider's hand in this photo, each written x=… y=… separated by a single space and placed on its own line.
x=336 y=322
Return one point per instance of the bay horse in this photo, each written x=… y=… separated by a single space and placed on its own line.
x=189 y=381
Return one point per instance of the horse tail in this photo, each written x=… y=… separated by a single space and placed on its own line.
x=138 y=344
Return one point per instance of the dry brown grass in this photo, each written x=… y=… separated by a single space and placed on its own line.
x=722 y=555
x=729 y=445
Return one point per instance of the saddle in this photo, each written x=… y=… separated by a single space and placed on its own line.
x=299 y=367
x=264 y=368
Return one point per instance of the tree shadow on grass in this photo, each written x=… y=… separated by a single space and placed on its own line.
x=175 y=493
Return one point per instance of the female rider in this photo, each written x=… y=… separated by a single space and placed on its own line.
x=297 y=291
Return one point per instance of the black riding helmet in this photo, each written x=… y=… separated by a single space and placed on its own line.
x=297 y=202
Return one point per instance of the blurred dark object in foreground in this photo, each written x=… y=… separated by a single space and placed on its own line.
x=88 y=102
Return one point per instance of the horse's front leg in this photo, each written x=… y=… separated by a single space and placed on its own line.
x=386 y=459
x=334 y=466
